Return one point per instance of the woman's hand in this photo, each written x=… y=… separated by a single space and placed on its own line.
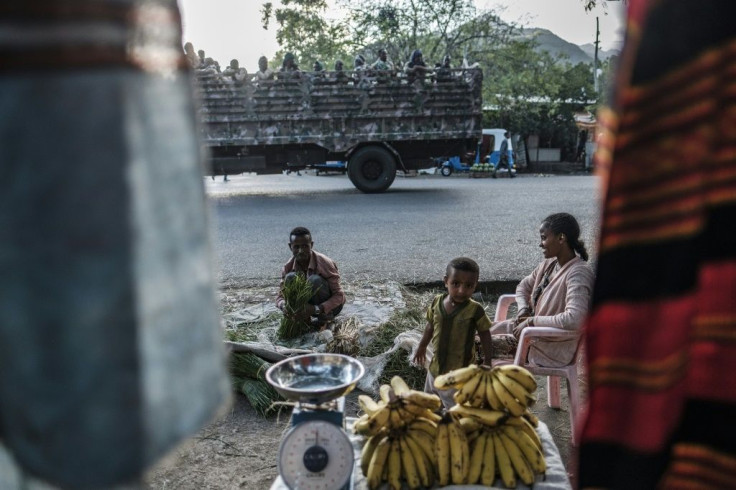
x=521 y=326
x=522 y=315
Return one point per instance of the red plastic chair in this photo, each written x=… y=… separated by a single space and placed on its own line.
x=569 y=372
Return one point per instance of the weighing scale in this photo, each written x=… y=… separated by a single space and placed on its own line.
x=316 y=452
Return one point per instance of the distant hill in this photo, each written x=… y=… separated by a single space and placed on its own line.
x=555 y=45
x=603 y=54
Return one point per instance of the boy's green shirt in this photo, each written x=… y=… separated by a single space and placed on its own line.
x=453 y=339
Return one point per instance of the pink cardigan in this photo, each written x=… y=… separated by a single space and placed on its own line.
x=563 y=304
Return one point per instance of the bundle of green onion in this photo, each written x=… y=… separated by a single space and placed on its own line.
x=247 y=365
x=297 y=294
x=260 y=394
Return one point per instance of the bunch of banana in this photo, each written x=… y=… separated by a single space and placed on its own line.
x=403 y=455
x=452 y=452
x=398 y=405
x=508 y=387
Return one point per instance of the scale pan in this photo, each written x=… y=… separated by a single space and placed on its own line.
x=315 y=378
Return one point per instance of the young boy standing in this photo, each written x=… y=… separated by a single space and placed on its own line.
x=452 y=322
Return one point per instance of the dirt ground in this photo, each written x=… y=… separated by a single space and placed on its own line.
x=239 y=449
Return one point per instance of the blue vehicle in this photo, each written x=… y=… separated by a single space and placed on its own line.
x=334 y=166
x=490 y=146
x=453 y=164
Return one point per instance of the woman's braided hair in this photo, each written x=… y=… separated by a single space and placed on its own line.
x=566 y=223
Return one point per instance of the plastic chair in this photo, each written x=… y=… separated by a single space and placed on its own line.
x=569 y=372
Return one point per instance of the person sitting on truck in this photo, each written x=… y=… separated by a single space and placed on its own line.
x=289 y=68
x=321 y=271
x=415 y=68
x=235 y=72
x=318 y=71
x=340 y=75
x=382 y=63
x=264 y=72
x=191 y=56
x=444 y=71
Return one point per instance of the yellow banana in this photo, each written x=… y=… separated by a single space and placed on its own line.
x=420 y=461
x=468 y=388
x=477 y=451
x=478 y=398
x=491 y=396
x=518 y=461
x=503 y=462
x=425 y=443
x=399 y=385
x=385 y=392
x=378 y=420
x=514 y=407
x=395 y=420
x=405 y=415
x=424 y=425
x=491 y=418
x=488 y=473
x=394 y=466
x=418 y=411
x=520 y=375
x=456 y=377
x=425 y=400
x=367 y=452
x=523 y=424
x=409 y=466
x=459 y=453
x=471 y=436
x=469 y=424
x=531 y=418
x=368 y=404
x=442 y=448
x=378 y=461
x=360 y=426
x=528 y=447
x=516 y=389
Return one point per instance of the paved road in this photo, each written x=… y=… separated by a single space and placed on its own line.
x=407 y=234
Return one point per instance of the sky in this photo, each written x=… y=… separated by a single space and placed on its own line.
x=228 y=29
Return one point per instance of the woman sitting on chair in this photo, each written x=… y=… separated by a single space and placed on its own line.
x=556 y=294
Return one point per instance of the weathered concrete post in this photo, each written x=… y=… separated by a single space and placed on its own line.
x=110 y=349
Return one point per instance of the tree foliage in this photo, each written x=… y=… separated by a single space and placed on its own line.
x=437 y=27
x=304 y=30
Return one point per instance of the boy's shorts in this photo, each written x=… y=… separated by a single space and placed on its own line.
x=445 y=395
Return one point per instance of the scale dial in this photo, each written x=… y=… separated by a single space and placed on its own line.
x=316 y=455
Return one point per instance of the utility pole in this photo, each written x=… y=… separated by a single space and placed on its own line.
x=595 y=59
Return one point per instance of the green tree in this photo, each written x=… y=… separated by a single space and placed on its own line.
x=530 y=92
x=304 y=30
x=437 y=27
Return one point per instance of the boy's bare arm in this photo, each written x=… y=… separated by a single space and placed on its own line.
x=421 y=355
x=487 y=346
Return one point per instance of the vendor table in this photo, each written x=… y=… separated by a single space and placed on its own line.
x=556 y=476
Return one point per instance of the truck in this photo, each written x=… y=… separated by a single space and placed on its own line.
x=376 y=122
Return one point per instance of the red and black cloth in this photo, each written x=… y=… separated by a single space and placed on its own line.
x=661 y=335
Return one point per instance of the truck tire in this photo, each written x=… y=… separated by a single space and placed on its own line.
x=446 y=170
x=372 y=169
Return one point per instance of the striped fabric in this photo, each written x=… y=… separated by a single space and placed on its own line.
x=661 y=335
